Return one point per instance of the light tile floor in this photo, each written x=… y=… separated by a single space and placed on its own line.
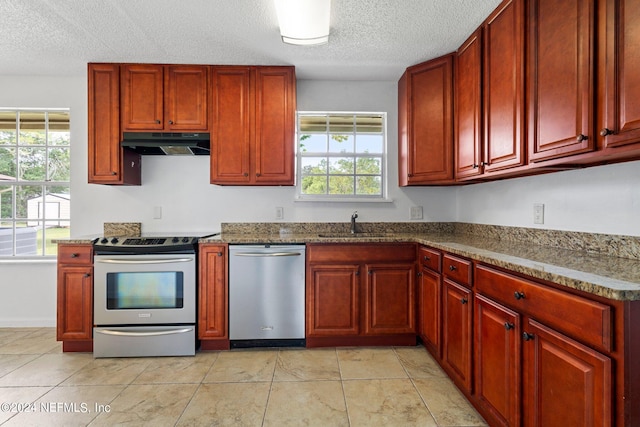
x=386 y=386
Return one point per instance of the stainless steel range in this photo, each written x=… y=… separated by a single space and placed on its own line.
x=144 y=296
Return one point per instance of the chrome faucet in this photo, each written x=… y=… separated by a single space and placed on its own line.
x=353 y=222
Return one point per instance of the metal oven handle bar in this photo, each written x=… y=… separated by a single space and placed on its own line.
x=267 y=254
x=143 y=334
x=144 y=261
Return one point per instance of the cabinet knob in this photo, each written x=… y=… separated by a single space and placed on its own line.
x=453 y=268
x=357 y=272
x=419 y=273
x=581 y=137
x=257 y=174
x=87 y=275
x=605 y=132
x=508 y=326
x=157 y=122
x=527 y=336
x=170 y=122
x=518 y=295
x=245 y=174
x=113 y=173
x=464 y=301
x=219 y=253
x=475 y=166
x=426 y=258
x=484 y=163
x=74 y=255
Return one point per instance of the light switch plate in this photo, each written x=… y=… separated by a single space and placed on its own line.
x=416 y=212
x=279 y=212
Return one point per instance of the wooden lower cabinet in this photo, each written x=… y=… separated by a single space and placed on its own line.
x=429 y=296
x=74 y=324
x=360 y=294
x=457 y=332
x=565 y=383
x=213 y=328
x=497 y=361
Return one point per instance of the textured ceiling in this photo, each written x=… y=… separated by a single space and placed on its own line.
x=370 y=39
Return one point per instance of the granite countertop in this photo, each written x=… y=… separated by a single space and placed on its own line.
x=603 y=275
x=603 y=265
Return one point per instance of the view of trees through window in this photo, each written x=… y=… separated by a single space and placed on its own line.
x=34 y=181
x=341 y=155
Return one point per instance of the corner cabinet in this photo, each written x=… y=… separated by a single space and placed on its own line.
x=74 y=325
x=253 y=125
x=171 y=98
x=213 y=295
x=108 y=162
x=360 y=294
x=425 y=123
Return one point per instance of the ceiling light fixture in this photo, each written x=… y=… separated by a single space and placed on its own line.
x=304 y=22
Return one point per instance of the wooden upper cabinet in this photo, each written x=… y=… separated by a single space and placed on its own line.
x=108 y=162
x=503 y=106
x=619 y=62
x=425 y=116
x=560 y=74
x=253 y=125
x=164 y=97
x=468 y=107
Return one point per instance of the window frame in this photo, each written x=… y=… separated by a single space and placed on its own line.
x=45 y=185
x=367 y=198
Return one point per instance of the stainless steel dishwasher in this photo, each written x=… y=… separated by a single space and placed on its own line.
x=266 y=295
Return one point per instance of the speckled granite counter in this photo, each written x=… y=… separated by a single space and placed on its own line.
x=589 y=263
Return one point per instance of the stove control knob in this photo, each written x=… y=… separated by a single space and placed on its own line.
x=175 y=240
x=114 y=240
x=104 y=240
x=185 y=239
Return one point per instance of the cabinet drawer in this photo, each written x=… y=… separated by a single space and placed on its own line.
x=586 y=320
x=361 y=252
x=457 y=269
x=430 y=258
x=75 y=254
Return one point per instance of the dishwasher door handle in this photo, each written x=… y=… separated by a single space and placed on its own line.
x=267 y=254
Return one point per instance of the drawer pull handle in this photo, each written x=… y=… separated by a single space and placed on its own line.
x=464 y=301
x=518 y=295
x=453 y=268
x=508 y=326
x=527 y=336
x=74 y=255
x=426 y=258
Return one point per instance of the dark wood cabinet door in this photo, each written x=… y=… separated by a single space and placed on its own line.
x=560 y=86
x=333 y=300
x=565 y=382
x=75 y=303
x=108 y=163
x=142 y=97
x=503 y=109
x=275 y=116
x=187 y=98
x=429 y=295
x=230 y=139
x=426 y=128
x=212 y=292
x=457 y=332
x=497 y=361
x=390 y=299
x=619 y=64
x=468 y=107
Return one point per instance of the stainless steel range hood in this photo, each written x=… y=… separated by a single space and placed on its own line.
x=167 y=143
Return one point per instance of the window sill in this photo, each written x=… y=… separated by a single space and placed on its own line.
x=29 y=260
x=342 y=200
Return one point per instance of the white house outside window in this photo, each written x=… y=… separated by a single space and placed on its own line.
x=34 y=181
x=341 y=156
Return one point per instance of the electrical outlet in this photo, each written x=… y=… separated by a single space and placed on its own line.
x=416 y=212
x=279 y=212
x=538 y=213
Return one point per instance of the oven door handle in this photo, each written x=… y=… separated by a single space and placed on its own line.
x=143 y=334
x=144 y=261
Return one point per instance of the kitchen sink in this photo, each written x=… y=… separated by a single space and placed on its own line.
x=350 y=235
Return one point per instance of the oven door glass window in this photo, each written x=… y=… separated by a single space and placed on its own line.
x=145 y=290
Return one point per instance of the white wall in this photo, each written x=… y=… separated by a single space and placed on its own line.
x=601 y=199
x=604 y=199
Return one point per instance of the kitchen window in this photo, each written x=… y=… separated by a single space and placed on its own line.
x=341 y=156
x=34 y=181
